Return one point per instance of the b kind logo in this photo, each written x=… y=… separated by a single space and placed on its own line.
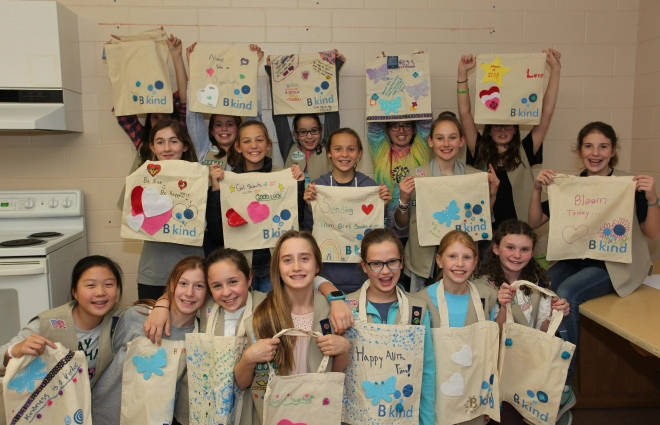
x=533 y=402
x=149 y=93
x=469 y=219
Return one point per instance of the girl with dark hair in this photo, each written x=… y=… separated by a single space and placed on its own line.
x=345 y=151
x=579 y=280
x=501 y=145
x=86 y=323
x=309 y=135
x=186 y=292
x=168 y=141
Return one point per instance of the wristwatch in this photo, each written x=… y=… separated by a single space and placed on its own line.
x=336 y=296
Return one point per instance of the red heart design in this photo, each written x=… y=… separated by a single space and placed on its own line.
x=490 y=97
x=493 y=89
x=136 y=200
x=234 y=219
x=288 y=422
x=305 y=75
x=153 y=224
x=367 y=208
x=492 y=104
x=182 y=184
x=153 y=169
x=209 y=71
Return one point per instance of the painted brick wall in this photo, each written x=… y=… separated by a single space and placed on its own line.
x=599 y=39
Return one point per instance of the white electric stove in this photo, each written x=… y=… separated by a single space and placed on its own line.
x=42 y=236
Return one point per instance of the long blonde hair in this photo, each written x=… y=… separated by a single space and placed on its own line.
x=274 y=313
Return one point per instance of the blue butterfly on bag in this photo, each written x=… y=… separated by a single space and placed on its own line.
x=448 y=215
x=390 y=107
x=23 y=382
x=149 y=365
x=380 y=390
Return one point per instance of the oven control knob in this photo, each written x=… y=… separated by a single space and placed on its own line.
x=29 y=203
x=53 y=203
x=67 y=203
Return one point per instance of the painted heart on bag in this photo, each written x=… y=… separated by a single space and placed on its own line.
x=288 y=422
x=135 y=222
x=209 y=71
x=367 y=208
x=305 y=75
x=136 y=201
x=153 y=169
x=572 y=234
x=153 y=224
x=155 y=204
x=454 y=386
x=182 y=184
x=234 y=219
x=490 y=97
x=208 y=96
x=257 y=212
x=463 y=356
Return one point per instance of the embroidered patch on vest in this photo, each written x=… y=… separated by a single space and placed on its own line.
x=57 y=324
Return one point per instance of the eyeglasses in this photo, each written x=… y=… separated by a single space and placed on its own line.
x=401 y=126
x=377 y=266
x=313 y=131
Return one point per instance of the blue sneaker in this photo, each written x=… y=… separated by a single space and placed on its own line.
x=567 y=402
x=565 y=419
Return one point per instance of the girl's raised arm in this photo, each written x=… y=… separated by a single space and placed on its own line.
x=466 y=63
x=176 y=51
x=536 y=216
x=549 y=98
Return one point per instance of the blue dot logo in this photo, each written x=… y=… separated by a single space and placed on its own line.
x=565 y=355
x=484 y=385
x=325 y=85
x=397 y=394
x=134 y=98
x=317 y=89
x=138 y=83
x=178 y=216
x=237 y=92
x=276 y=218
x=245 y=89
x=523 y=100
x=619 y=229
x=285 y=214
x=530 y=393
x=532 y=97
x=484 y=235
x=188 y=213
x=508 y=342
x=407 y=390
x=543 y=397
x=477 y=209
x=159 y=85
x=150 y=87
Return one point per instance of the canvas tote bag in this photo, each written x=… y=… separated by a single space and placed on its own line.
x=139 y=76
x=533 y=365
x=213 y=396
x=304 y=83
x=257 y=208
x=151 y=370
x=454 y=202
x=50 y=389
x=342 y=217
x=165 y=201
x=384 y=374
x=509 y=88
x=591 y=217
x=399 y=88
x=306 y=398
x=223 y=79
x=466 y=381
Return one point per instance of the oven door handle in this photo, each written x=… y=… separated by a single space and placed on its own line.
x=22 y=269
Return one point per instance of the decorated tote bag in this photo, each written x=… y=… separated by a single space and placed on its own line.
x=342 y=217
x=384 y=374
x=257 y=208
x=149 y=381
x=210 y=359
x=460 y=202
x=306 y=398
x=466 y=380
x=165 y=201
x=591 y=217
x=223 y=79
x=399 y=88
x=139 y=76
x=50 y=389
x=509 y=88
x=304 y=83
x=533 y=365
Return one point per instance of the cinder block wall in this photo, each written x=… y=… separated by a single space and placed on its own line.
x=599 y=40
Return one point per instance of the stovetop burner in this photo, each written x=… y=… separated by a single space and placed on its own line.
x=45 y=235
x=22 y=242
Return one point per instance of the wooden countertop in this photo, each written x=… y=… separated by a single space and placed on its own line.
x=635 y=317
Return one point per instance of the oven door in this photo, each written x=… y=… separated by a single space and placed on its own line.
x=23 y=293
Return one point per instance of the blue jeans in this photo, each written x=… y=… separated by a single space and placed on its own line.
x=577 y=281
x=262 y=284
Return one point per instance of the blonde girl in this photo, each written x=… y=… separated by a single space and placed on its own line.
x=186 y=293
x=445 y=140
x=293 y=303
x=344 y=151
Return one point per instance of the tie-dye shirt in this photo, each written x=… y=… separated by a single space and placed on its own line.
x=391 y=173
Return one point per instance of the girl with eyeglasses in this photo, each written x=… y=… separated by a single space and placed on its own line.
x=308 y=151
x=397 y=149
x=382 y=260
x=500 y=146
